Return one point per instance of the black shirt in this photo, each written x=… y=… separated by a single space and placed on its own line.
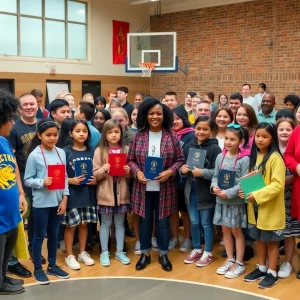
x=20 y=135
x=80 y=195
x=129 y=108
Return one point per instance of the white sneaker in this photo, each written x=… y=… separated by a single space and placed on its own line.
x=285 y=270
x=72 y=263
x=186 y=246
x=154 y=244
x=85 y=258
x=62 y=246
x=225 y=268
x=137 y=248
x=173 y=243
x=235 y=271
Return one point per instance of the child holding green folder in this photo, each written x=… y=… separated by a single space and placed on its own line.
x=266 y=211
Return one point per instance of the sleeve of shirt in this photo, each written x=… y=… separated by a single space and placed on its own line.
x=209 y=173
x=277 y=169
x=289 y=154
x=244 y=170
x=30 y=179
x=214 y=180
x=131 y=159
x=12 y=139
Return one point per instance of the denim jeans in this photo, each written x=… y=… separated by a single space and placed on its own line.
x=46 y=221
x=7 y=243
x=146 y=225
x=201 y=218
x=106 y=221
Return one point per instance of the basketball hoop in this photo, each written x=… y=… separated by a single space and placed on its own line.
x=147 y=68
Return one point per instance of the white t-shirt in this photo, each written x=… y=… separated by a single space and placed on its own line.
x=220 y=142
x=258 y=97
x=154 y=150
x=252 y=102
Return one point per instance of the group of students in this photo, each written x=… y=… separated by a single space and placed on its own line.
x=198 y=194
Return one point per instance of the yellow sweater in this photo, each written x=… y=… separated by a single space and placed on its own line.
x=270 y=199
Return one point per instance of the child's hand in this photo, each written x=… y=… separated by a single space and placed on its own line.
x=250 y=198
x=47 y=181
x=197 y=172
x=222 y=194
x=141 y=177
x=106 y=168
x=241 y=194
x=216 y=189
x=92 y=181
x=62 y=207
x=126 y=169
x=185 y=169
x=76 y=180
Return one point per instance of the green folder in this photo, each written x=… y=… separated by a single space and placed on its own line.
x=252 y=182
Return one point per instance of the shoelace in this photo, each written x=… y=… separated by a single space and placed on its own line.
x=194 y=253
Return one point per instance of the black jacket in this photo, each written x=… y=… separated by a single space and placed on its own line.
x=206 y=199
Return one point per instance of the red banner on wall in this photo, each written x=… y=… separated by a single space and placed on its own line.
x=120 y=30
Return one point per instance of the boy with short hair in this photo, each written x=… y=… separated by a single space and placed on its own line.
x=59 y=110
x=85 y=111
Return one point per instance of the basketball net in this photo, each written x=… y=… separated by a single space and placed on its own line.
x=146 y=68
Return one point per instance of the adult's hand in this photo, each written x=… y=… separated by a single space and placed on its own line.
x=164 y=176
x=141 y=177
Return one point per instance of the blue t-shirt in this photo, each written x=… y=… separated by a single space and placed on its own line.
x=9 y=193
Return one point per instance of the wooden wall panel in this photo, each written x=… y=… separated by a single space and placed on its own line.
x=25 y=82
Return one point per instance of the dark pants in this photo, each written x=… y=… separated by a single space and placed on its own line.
x=146 y=225
x=46 y=221
x=7 y=244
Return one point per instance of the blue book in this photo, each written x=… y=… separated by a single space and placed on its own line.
x=84 y=168
x=196 y=158
x=153 y=167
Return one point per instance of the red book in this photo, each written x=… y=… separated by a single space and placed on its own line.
x=58 y=174
x=117 y=162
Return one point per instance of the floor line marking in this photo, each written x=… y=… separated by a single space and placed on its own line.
x=160 y=279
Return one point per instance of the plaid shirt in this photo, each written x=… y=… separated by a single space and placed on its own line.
x=173 y=159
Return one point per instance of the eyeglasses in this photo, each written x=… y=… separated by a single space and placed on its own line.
x=235 y=126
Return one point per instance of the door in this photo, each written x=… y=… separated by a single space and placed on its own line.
x=93 y=87
x=8 y=84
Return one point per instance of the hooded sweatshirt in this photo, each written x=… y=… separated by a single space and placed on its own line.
x=205 y=199
x=241 y=169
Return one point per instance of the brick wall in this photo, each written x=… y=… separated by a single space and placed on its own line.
x=227 y=46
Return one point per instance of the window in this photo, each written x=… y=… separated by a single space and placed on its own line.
x=44 y=28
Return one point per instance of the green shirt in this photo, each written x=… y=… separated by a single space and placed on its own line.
x=269 y=118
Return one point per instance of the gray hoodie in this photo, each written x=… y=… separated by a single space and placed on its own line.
x=241 y=168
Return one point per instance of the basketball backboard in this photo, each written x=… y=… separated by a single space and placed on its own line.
x=158 y=47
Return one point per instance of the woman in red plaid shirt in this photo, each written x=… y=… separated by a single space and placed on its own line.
x=155 y=138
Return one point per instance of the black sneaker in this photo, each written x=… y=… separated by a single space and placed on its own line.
x=13 y=281
x=10 y=289
x=268 y=281
x=249 y=253
x=224 y=254
x=19 y=270
x=255 y=275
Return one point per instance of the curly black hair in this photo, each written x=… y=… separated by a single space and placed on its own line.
x=143 y=110
x=8 y=106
